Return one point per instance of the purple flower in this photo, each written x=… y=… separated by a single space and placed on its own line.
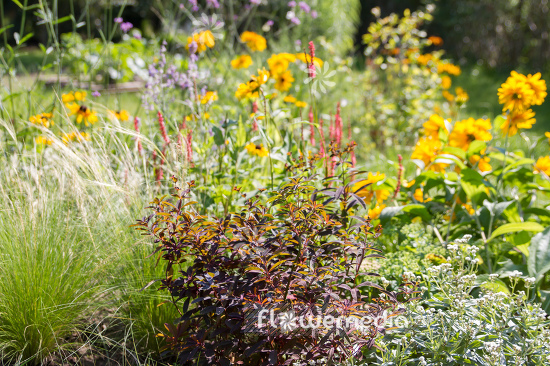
x=305 y=7
x=295 y=20
x=255 y=2
x=314 y=14
x=298 y=42
x=118 y=20
x=270 y=23
x=195 y=6
x=292 y=4
x=213 y=3
x=126 y=26
x=96 y=94
x=137 y=35
x=193 y=46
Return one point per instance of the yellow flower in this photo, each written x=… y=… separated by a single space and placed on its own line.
x=482 y=162
x=448 y=96
x=466 y=131
x=67 y=98
x=258 y=150
x=209 y=96
x=82 y=113
x=538 y=86
x=306 y=58
x=248 y=90
x=375 y=212
x=193 y=117
x=278 y=63
x=41 y=140
x=242 y=62
x=254 y=41
x=203 y=40
x=446 y=82
x=448 y=68
x=543 y=165
x=291 y=99
x=426 y=150
x=75 y=137
x=262 y=78
x=547 y=134
x=469 y=208
x=365 y=188
x=419 y=196
x=461 y=96
x=300 y=104
x=424 y=59
x=283 y=81
x=79 y=96
x=517 y=120
x=516 y=94
x=44 y=119
x=433 y=125
x=122 y=115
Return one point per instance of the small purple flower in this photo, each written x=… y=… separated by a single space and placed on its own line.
x=193 y=46
x=292 y=4
x=298 y=42
x=213 y=3
x=137 y=35
x=305 y=7
x=126 y=26
x=314 y=14
x=96 y=94
x=255 y=2
x=118 y=20
x=195 y=6
x=270 y=23
x=295 y=20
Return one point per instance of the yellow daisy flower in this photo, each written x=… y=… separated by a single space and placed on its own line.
x=241 y=62
x=83 y=114
x=254 y=41
x=516 y=120
x=258 y=150
x=543 y=165
x=44 y=119
x=283 y=81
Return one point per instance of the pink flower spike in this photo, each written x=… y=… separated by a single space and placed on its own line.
x=162 y=127
x=311 y=66
x=311 y=127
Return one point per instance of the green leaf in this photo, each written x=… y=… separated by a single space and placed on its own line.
x=64 y=19
x=476 y=147
x=418 y=210
x=524 y=161
x=496 y=286
x=218 y=136
x=515 y=227
x=18 y=4
x=539 y=255
x=472 y=184
x=456 y=151
x=24 y=39
x=389 y=212
x=3 y=29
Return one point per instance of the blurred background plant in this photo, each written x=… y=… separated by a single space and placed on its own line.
x=102 y=102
